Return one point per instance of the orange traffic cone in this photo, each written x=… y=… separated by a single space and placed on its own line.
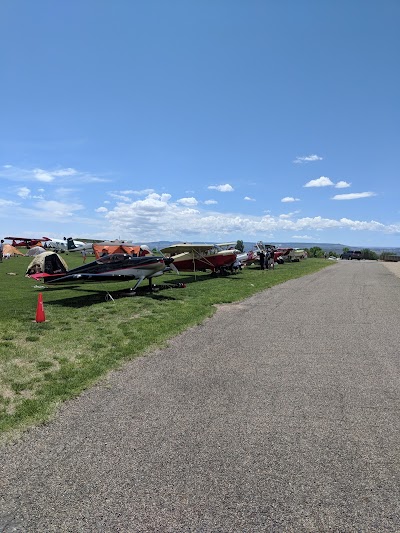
x=40 y=316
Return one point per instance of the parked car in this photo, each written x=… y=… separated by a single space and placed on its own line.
x=352 y=254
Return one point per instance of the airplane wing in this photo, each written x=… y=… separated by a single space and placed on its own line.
x=186 y=247
x=28 y=239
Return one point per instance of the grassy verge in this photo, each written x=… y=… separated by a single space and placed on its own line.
x=84 y=336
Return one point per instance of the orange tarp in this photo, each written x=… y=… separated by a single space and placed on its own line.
x=118 y=249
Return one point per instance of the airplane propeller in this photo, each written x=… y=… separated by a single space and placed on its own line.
x=169 y=262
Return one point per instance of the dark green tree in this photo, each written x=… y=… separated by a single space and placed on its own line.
x=316 y=251
x=369 y=254
x=240 y=246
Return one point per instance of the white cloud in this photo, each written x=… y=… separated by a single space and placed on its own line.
x=288 y=215
x=7 y=203
x=58 y=209
x=323 y=181
x=290 y=199
x=307 y=158
x=143 y=192
x=342 y=184
x=101 y=210
x=120 y=197
x=41 y=175
x=156 y=217
x=303 y=237
x=222 y=188
x=249 y=199
x=24 y=192
x=211 y=202
x=353 y=196
x=65 y=172
x=187 y=201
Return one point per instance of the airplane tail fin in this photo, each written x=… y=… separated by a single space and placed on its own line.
x=70 y=244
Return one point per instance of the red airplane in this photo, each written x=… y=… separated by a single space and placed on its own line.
x=27 y=242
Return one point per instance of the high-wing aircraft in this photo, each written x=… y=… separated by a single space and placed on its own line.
x=61 y=245
x=192 y=257
x=242 y=257
x=49 y=268
x=78 y=246
x=28 y=242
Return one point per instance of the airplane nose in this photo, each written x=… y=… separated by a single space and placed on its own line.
x=169 y=264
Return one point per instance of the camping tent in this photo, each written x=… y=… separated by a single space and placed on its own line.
x=35 y=250
x=9 y=251
x=47 y=262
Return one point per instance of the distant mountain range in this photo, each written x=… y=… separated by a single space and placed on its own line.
x=326 y=247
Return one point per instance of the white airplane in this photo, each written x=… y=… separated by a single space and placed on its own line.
x=77 y=246
x=61 y=245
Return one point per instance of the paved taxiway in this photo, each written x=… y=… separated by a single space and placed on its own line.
x=280 y=413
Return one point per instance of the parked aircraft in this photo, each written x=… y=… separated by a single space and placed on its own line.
x=62 y=245
x=242 y=257
x=193 y=257
x=28 y=242
x=51 y=269
x=78 y=246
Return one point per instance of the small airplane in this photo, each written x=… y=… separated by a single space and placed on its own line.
x=78 y=246
x=100 y=248
x=62 y=245
x=190 y=257
x=281 y=254
x=241 y=257
x=52 y=270
x=28 y=242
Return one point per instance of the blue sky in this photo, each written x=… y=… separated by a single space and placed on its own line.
x=206 y=121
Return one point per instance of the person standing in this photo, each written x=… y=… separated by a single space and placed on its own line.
x=262 y=260
x=83 y=252
x=270 y=259
x=1 y=250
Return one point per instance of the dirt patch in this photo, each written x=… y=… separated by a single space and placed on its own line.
x=229 y=307
x=393 y=267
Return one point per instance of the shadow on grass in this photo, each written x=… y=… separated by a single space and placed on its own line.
x=100 y=296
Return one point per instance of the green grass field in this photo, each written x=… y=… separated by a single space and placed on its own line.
x=84 y=336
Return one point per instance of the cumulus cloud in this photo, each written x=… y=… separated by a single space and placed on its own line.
x=323 y=181
x=249 y=199
x=342 y=184
x=101 y=210
x=24 y=192
x=288 y=199
x=353 y=195
x=187 y=201
x=222 y=188
x=307 y=158
x=157 y=217
x=211 y=202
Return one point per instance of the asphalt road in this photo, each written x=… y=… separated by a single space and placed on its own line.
x=279 y=414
